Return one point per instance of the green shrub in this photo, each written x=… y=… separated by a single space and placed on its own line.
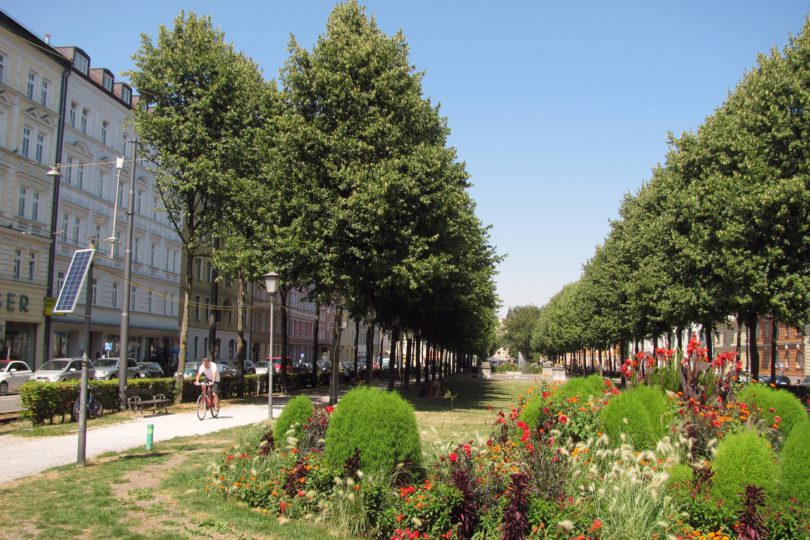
x=641 y=413
x=380 y=424
x=741 y=460
x=796 y=464
x=680 y=477
x=784 y=404
x=294 y=416
x=582 y=387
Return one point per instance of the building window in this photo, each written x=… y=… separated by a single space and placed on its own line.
x=107 y=82
x=65 y=225
x=2 y=67
x=120 y=195
x=77 y=225
x=115 y=295
x=149 y=302
x=196 y=346
x=80 y=176
x=197 y=308
x=81 y=63
x=22 y=202
x=126 y=94
x=198 y=262
x=94 y=292
x=32 y=82
x=138 y=201
x=98 y=232
x=40 y=150
x=32 y=265
x=60 y=279
x=133 y=295
x=207 y=308
x=85 y=113
x=72 y=115
x=152 y=254
x=17 y=263
x=43 y=92
x=69 y=171
x=26 y=141
x=104 y=126
x=102 y=178
x=35 y=207
x=136 y=250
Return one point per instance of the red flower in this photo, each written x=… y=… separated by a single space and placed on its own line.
x=329 y=409
x=562 y=419
x=467 y=450
x=453 y=457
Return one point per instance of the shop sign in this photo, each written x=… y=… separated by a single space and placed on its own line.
x=14 y=302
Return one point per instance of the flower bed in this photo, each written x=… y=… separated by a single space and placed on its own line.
x=555 y=476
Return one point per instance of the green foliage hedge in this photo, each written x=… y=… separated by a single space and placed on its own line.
x=743 y=459
x=785 y=405
x=380 y=424
x=44 y=401
x=582 y=387
x=796 y=464
x=642 y=413
x=295 y=414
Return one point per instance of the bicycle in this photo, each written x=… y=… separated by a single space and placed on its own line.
x=205 y=402
x=94 y=407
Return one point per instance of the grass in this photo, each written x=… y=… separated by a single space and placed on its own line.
x=161 y=494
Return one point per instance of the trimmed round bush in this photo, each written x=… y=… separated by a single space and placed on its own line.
x=582 y=387
x=796 y=463
x=680 y=476
x=743 y=459
x=294 y=416
x=785 y=405
x=381 y=425
x=641 y=413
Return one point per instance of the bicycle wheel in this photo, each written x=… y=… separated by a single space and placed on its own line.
x=96 y=409
x=215 y=408
x=201 y=407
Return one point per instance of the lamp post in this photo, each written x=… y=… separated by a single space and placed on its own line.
x=271 y=280
x=55 y=177
x=123 y=347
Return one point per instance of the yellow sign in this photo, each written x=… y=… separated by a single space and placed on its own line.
x=50 y=302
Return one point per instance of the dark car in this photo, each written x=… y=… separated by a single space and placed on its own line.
x=781 y=380
x=150 y=370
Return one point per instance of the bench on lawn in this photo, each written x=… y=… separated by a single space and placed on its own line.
x=158 y=403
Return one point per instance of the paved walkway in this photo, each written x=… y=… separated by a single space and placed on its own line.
x=24 y=456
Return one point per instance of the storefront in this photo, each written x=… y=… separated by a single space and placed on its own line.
x=22 y=323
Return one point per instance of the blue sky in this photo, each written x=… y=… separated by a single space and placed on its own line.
x=557 y=108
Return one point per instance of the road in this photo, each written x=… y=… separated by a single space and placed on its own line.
x=24 y=456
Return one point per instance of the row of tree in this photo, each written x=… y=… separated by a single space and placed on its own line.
x=721 y=229
x=338 y=177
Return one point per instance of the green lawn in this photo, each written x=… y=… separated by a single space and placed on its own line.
x=161 y=494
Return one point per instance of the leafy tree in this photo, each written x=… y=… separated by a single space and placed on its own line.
x=197 y=103
x=517 y=329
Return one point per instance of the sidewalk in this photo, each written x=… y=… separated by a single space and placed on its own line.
x=23 y=456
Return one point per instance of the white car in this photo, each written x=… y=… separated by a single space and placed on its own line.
x=13 y=373
x=107 y=368
x=62 y=369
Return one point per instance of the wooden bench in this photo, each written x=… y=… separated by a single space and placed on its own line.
x=158 y=404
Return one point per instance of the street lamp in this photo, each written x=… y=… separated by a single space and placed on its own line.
x=271 y=282
x=55 y=177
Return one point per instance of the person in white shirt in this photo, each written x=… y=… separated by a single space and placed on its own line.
x=209 y=369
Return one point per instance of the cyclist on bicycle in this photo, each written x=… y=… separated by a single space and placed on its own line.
x=209 y=369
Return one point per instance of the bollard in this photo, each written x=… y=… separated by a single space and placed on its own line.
x=150 y=430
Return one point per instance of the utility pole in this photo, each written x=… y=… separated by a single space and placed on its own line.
x=88 y=307
x=123 y=347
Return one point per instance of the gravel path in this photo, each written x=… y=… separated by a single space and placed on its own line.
x=25 y=456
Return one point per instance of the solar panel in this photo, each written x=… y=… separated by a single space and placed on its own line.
x=74 y=281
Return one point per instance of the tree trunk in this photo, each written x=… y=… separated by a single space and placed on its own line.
x=283 y=293
x=188 y=282
x=369 y=352
x=334 y=357
x=241 y=285
x=213 y=350
x=774 y=350
x=679 y=331
x=418 y=359
x=356 y=349
x=739 y=337
x=751 y=323
x=708 y=330
x=315 y=380
x=392 y=372
x=408 y=358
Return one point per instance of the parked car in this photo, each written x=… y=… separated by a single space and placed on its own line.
x=805 y=382
x=277 y=365
x=107 y=368
x=781 y=380
x=13 y=373
x=231 y=368
x=261 y=367
x=150 y=370
x=62 y=369
x=191 y=369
